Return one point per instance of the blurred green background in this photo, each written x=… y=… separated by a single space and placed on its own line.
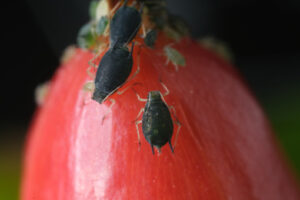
x=263 y=35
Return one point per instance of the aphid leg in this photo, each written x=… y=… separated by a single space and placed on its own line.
x=140 y=112
x=176 y=121
x=91 y=61
x=144 y=31
x=138 y=65
x=114 y=9
x=167 y=61
x=167 y=92
x=171 y=146
x=92 y=65
x=89 y=73
x=109 y=109
x=121 y=92
x=139 y=98
x=110 y=93
x=132 y=77
x=137 y=122
x=125 y=89
x=176 y=67
x=138 y=132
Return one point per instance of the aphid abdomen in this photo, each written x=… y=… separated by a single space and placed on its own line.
x=124 y=25
x=157 y=123
x=113 y=70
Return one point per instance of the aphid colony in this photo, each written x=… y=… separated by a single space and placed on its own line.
x=116 y=65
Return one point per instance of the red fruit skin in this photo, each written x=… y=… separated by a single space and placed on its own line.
x=225 y=148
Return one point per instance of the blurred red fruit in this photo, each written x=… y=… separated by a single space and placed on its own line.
x=225 y=148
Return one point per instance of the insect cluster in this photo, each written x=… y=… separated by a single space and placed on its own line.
x=116 y=65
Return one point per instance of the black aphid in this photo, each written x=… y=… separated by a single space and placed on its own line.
x=150 y=38
x=157 y=123
x=124 y=25
x=114 y=68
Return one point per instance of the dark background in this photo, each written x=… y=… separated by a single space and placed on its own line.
x=263 y=35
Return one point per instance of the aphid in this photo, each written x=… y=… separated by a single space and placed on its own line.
x=101 y=25
x=157 y=123
x=124 y=25
x=150 y=38
x=113 y=71
x=86 y=37
x=174 y=56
